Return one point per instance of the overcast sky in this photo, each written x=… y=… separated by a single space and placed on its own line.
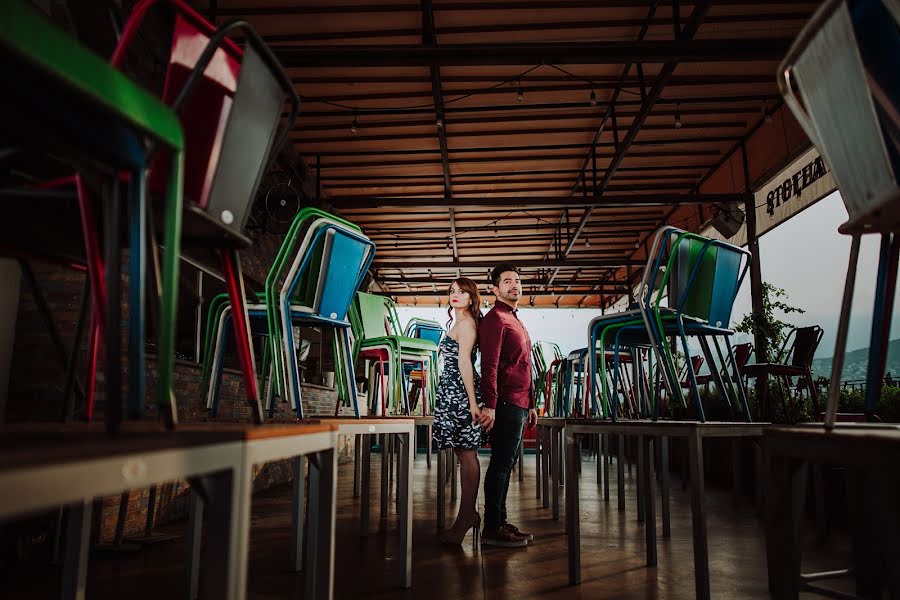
x=805 y=256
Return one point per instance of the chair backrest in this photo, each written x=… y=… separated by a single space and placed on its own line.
x=800 y=346
x=204 y=113
x=344 y=261
x=372 y=318
x=704 y=277
x=426 y=330
x=742 y=354
x=229 y=101
x=840 y=81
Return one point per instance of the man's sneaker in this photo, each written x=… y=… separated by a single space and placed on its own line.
x=515 y=531
x=503 y=538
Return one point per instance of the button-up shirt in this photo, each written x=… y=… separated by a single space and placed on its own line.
x=505 y=358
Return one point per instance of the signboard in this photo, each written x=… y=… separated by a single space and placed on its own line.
x=803 y=183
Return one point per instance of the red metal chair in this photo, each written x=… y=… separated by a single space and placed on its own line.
x=229 y=101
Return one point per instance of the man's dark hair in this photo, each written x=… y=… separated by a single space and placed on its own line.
x=500 y=269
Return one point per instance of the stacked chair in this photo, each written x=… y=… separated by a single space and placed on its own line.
x=701 y=278
x=377 y=339
x=426 y=329
x=543 y=355
x=319 y=268
x=229 y=102
x=839 y=81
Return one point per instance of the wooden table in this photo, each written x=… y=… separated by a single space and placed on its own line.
x=44 y=467
x=646 y=431
x=871 y=454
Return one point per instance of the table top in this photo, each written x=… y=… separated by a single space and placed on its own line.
x=669 y=428
x=32 y=444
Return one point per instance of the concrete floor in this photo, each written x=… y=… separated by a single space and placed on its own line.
x=612 y=551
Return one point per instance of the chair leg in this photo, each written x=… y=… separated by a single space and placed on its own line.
x=235 y=283
x=137 y=292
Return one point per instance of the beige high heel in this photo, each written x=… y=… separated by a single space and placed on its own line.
x=454 y=537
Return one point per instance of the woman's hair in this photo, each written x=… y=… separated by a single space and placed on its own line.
x=467 y=285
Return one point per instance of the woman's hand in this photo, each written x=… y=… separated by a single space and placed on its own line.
x=476 y=413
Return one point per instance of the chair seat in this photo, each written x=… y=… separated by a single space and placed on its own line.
x=757 y=369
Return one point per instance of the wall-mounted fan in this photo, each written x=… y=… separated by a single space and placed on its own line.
x=282 y=203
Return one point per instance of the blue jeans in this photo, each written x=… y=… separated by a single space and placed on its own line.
x=506 y=435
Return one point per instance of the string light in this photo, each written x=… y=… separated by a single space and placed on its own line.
x=587 y=242
x=593 y=99
x=520 y=93
x=496 y=233
x=439 y=123
x=354 y=126
x=765 y=114
x=677 y=115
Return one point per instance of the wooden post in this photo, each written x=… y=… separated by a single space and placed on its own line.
x=756 y=288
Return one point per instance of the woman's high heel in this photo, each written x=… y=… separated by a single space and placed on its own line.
x=455 y=537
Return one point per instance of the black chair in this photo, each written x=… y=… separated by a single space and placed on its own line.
x=794 y=360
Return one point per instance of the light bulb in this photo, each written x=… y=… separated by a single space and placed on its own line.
x=520 y=93
x=593 y=99
x=587 y=242
x=440 y=123
x=354 y=126
x=677 y=117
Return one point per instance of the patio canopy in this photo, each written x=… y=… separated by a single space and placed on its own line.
x=555 y=134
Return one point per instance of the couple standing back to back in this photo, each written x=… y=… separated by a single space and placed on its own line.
x=471 y=410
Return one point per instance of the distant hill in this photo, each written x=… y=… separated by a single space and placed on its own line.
x=856 y=362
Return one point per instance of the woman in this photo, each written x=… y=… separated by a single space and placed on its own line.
x=457 y=410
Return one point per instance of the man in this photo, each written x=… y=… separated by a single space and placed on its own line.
x=508 y=396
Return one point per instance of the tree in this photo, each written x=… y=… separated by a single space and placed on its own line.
x=765 y=324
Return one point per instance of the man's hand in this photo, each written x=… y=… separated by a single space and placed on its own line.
x=532 y=417
x=487 y=418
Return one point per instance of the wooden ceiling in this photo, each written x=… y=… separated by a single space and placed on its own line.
x=555 y=134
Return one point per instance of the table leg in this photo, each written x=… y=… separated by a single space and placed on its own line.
x=698 y=517
x=554 y=472
x=664 y=460
x=620 y=474
x=195 y=532
x=573 y=516
x=604 y=443
x=78 y=537
x=365 y=486
x=538 y=442
x=641 y=467
x=441 y=488
x=225 y=549
x=112 y=343
x=319 y=579
x=137 y=294
x=406 y=520
x=385 y=462
x=546 y=461
x=357 y=455
x=298 y=508
x=649 y=500
x=428 y=430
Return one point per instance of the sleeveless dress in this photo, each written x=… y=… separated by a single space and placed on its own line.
x=452 y=418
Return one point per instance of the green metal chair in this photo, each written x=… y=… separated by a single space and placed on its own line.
x=376 y=325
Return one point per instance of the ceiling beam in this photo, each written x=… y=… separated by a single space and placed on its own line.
x=324 y=9
x=541 y=26
x=531 y=107
x=588 y=113
x=528 y=201
x=682 y=50
x=434 y=265
x=556 y=292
